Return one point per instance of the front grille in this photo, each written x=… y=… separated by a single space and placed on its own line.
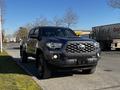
x=80 y=47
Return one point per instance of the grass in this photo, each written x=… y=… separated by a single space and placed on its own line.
x=12 y=77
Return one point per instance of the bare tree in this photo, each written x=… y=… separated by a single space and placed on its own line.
x=114 y=3
x=1 y=21
x=41 y=21
x=57 y=21
x=29 y=26
x=21 y=33
x=2 y=7
x=70 y=18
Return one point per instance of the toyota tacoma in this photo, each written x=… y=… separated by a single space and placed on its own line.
x=57 y=48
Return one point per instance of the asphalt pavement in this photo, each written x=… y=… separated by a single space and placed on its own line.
x=106 y=77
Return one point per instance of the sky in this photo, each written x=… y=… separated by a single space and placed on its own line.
x=90 y=12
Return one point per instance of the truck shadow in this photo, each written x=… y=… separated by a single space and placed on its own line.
x=31 y=68
x=7 y=66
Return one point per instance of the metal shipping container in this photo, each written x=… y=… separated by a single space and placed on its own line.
x=107 y=35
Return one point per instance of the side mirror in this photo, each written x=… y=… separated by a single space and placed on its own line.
x=33 y=36
x=39 y=38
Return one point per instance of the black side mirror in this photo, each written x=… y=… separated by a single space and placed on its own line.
x=33 y=36
x=39 y=38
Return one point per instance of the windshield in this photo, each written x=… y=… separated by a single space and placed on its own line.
x=85 y=35
x=59 y=32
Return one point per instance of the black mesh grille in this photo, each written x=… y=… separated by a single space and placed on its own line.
x=80 y=47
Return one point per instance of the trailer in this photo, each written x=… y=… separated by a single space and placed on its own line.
x=107 y=35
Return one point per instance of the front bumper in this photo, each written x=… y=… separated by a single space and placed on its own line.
x=61 y=59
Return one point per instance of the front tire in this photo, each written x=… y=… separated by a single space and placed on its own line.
x=24 y=56
x=42 y=66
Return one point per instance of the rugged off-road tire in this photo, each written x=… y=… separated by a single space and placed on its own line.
x=42 y=66
x=24 y=57
x=89 y=71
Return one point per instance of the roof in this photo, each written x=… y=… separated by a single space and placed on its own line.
x=51 y=27
x=108 y=25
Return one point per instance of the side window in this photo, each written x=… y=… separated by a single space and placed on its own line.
x=36 y=32
x=31 y=33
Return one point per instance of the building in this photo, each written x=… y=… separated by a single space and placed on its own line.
x=82 y=32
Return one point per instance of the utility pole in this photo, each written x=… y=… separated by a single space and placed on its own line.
x=1 y=24
x=1 y=46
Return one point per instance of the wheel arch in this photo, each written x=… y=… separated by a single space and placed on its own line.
x=39 y=51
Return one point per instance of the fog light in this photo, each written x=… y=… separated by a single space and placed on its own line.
x=98 y=54
x=55 y=56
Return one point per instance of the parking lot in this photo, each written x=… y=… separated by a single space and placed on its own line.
x=106 y=77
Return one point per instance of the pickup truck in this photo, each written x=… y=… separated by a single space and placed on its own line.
x=57 y=48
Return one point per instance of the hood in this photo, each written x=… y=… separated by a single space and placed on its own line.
x=65 y=39
x=74 y=38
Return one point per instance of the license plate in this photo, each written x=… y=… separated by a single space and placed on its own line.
x=72 y=59
x=79 y=62
x=92 y=59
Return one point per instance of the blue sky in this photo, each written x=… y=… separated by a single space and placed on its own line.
x=91 y=12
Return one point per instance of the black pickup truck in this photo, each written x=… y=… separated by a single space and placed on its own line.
x=59 y=48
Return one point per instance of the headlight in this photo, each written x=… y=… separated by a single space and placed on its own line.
x=96 y=44
x=54 y=45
